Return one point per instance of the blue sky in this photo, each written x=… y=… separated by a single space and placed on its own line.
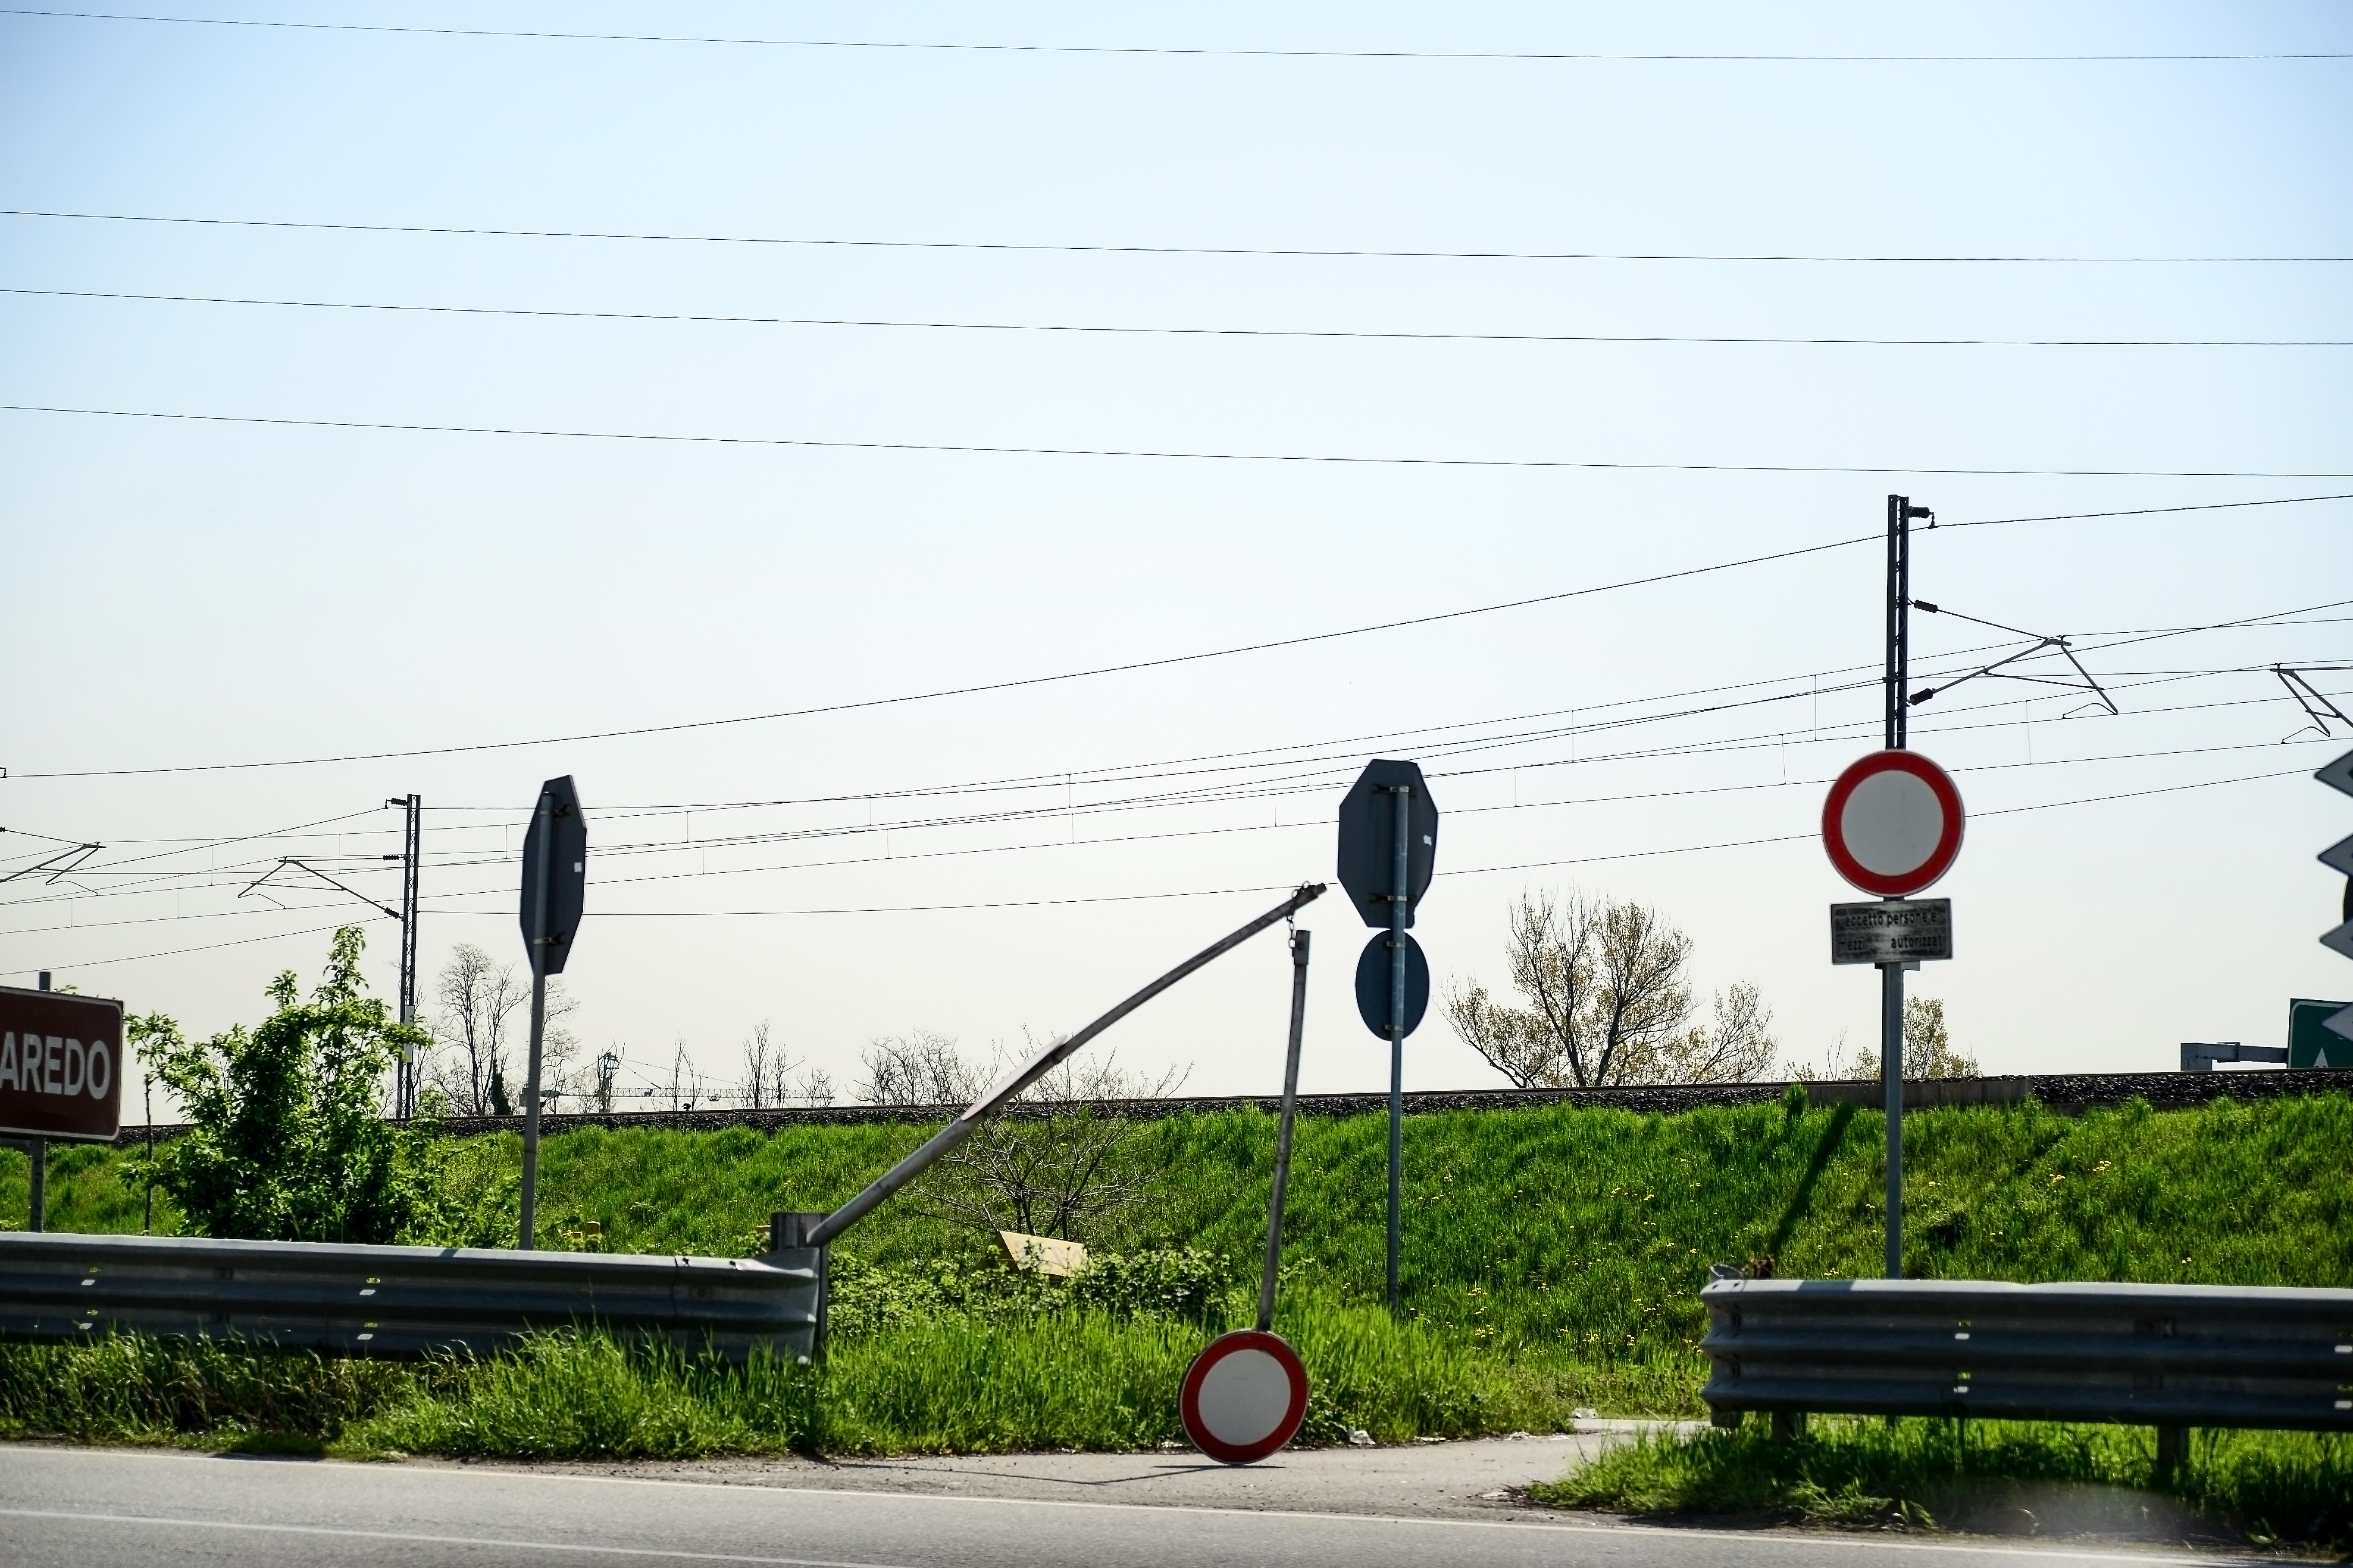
x=192 y=593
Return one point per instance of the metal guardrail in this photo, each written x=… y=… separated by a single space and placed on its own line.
x=400 y=1301
x=2169 y=1356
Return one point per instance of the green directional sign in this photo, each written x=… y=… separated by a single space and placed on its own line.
x=2310 y=1044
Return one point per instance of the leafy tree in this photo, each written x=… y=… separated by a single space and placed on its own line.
x=288 y=1140
x=1608 y=1002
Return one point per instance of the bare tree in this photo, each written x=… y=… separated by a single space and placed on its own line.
x=476 y=1032
x=1056 y=1165
x=686 y=1083
x=816 y=1087
x=918 y=1069
x=1927 y=1046
x=768 y=1071
x=1608 y=1002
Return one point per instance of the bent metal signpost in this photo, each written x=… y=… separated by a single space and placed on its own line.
x=1892 y=825
x=1245 y=1396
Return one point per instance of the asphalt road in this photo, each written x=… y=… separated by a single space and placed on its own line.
x=79 y=1507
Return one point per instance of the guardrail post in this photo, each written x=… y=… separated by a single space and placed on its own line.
x=789 y=1230
x=2172 y=1449
x=1789 y=1425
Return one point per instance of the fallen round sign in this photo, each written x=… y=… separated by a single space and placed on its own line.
x=1892 y=822
x=1243 y=1397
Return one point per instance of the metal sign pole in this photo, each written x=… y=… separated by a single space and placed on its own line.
x=1900 y=513
x=546 y=826
x=1283 y=1133
x=825 y=1230
x=1401 y=893
x=1891 y=1074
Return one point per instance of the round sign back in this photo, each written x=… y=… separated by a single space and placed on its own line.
x=1892 y=822
x=1243 y=1397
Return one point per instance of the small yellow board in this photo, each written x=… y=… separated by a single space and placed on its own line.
x=1055 y=1260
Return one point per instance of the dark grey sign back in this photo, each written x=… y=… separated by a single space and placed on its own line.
x=1368 y=842
x=558 y=836
x=1373 y=985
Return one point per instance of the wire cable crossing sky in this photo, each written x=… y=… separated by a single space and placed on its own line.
x=963 y=497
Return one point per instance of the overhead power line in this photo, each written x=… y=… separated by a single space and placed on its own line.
x=1302 y=252
x=1078 y=329
x=1131 y=666
x=1168 y=50
x=1179 y=455
x=1187 y=893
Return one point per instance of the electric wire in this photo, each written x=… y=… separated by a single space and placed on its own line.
x=1152 y=896
x=1234 y=250
x=1171 y=454
x=1167 y=50
x=1259 y=332
x=1302 y=784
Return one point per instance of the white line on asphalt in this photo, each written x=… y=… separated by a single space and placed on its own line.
x=1799 y=1539
x=427 y=1540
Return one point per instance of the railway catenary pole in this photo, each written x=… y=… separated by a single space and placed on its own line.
x=1901 y=514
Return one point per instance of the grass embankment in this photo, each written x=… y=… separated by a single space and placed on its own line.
x=1082 y=1380
x=2031 y=1477
x=1552 y=1259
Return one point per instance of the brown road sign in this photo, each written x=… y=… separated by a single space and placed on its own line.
x=61 y=1064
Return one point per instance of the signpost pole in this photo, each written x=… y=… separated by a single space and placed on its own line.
x=1401 y=893
x=546 y=826
x=1900 y=513
x=1282 y=1132
x=1891 y=1074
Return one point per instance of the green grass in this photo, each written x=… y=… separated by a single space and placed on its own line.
x=961 y=1384
x=1553 y=1256
x=1547 y=1233
x=2274 y=1487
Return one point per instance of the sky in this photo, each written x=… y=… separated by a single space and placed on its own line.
x=345 y=522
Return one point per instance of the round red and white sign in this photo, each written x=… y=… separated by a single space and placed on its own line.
x=1892 y=822
x=1243 y=1397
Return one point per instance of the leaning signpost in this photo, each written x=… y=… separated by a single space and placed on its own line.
x=1389 y=851
x=554 y=888
x=1245 y=1395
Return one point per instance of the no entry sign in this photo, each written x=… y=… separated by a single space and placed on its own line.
x=1892 y=822
x=1244 y=1396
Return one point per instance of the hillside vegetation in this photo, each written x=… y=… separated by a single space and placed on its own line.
x=1553 y=1262
x=1548 y=1236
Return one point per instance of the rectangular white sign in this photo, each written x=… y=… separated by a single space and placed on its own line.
x=1891 y=930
